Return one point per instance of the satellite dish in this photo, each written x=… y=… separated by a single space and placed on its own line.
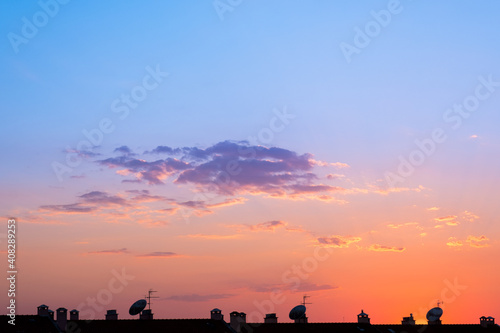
x=434 y=314
x=137 y=307
x=297 y=312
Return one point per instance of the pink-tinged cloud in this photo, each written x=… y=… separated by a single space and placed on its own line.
x=433 y=209
x=384 y=248
x=338 y=241
x=197 y=298
x=159 y=254
x=117 y=251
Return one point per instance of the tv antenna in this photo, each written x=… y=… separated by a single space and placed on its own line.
x=304 y=300
x=439 y=303
x=148 y=297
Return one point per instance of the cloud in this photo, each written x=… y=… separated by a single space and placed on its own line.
x=149 y=172
x=118 y=251
x=477 y=241
x=197 y=298
x=124 y=150
x=453 y=242
x=69 y=208
x=433 y=208
x=306 y=286
x=384 y=248
x=102 y=198
x=338 y=241
x=159 y=255
x=397 y=226
x=228 y=168
x=469 y=217
x=266 y=226
x=448 y=220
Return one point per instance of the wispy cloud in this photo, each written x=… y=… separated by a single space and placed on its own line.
x=338 y=241
x=117 y=251
x=384 y=248
x=158 y=254
x=450 y=220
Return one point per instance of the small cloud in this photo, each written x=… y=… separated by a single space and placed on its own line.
x=340 y=165
x=453 y=242
x=338 y=241
x=448 y=220
x=473 y=136
x=268 y=226
x=384 y=248
x=477 y=241
x=433 y=208
x=124 y=150
x=397 y=226
x=306 y=286
x=469 y=217
x=197 y=298
x=118 y=251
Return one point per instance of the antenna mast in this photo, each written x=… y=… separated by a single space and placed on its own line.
x=150 y=291
x=304 y=300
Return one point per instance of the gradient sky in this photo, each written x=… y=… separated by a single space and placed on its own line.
x=276 y=152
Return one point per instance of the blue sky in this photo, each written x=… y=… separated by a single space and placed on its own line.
x=230 y=74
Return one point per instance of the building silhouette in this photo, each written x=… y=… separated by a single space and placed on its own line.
x=44 y=322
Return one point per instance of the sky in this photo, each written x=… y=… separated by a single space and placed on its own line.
x=242 y=154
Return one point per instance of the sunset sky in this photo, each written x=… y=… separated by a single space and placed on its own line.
x=241 y=154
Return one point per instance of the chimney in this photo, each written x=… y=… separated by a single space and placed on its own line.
x=43 y=310
x=408 y=320
x=271 y=318
x=111 y=315
x=51 y=314
x=216 y=314
x=146 y=314
x=237 y=320
x=363 y=318
x=487 y=321
x=62 y=318
x=74 y=314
